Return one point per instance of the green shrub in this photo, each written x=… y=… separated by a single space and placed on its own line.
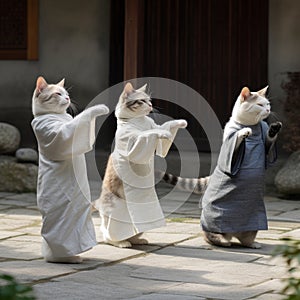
x=290 y=252
x=12 y=290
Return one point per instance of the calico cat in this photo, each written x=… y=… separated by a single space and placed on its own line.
x=232 y=205
x=63 y=195
x=128 y=203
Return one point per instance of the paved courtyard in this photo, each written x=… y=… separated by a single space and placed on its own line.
x=177 y=264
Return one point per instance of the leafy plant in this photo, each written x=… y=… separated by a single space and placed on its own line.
x=13 y=290
x=290 y=251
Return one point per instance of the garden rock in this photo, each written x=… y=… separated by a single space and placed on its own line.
x=7 y=158
x=27 y=155
x=10 y=138
x=287 y=179
x=16 y=177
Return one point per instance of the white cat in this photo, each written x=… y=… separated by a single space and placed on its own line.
x=233 y=201
x=128 y=202
x=63 y=194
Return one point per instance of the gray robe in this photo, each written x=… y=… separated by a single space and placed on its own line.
x=233 y=200
x=63 y=194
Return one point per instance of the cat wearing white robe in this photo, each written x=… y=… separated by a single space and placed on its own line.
x=63 y=195
x=128 y=203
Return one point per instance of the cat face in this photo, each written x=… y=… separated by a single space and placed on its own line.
x=49 y=98
x=133 y=103
x=251 y=107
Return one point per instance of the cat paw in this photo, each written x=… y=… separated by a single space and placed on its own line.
x=120 y=244
x=180 y=124
x=138 y=241
x=124 y=244
x=216 y=239
x=101 y=109
x=245 y=132
x=274 y=128
x=253 y=245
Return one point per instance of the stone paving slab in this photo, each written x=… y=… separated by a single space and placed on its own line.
x=176 y=264
x=68 y=290
x=167 y=297
x=294 y=234
x=232 y=292
x=118 y=275
x=12 y=249
x=35 y=270
x=186 y=265
x=289 y=216
x=5 y=234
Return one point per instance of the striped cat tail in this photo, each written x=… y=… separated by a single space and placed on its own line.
x=193 y=185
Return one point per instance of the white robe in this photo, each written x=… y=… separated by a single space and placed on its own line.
x=63 y=194
x=133 y=160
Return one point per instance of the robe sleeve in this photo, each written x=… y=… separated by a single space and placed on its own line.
x=164 y=145
x=271 y=148
x=230 y=160
x=141 y=148
x=60 y=139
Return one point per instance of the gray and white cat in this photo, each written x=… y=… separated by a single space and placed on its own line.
x=63 y=195
x=232 y=205
x=128 y=203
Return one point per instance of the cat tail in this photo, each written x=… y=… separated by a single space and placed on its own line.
x=193 y=185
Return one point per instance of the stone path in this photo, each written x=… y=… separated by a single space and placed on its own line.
x=177 y=264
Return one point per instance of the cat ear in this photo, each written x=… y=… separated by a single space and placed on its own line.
x=128 y=88
x=143 y=88
x=263 y=91
x=245 y=93
x=62 y=83
x=41 y=84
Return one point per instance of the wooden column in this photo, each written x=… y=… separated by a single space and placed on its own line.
x=32 y=29
x=133 y=38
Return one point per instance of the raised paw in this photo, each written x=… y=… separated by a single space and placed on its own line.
x=245 y=132
x=274 y=128
x=102 y=109
x=179 y=124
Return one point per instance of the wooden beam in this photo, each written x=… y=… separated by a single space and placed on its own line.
x=32 y=29
x=133 y=38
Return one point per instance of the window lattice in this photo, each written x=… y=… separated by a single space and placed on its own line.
x=13 y=24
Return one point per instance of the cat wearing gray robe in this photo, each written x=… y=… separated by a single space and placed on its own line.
x=232 y=205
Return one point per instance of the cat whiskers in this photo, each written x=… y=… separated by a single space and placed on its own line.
x=273 y=117
x=69 y=88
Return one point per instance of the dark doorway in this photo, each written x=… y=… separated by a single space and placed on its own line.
x=216 y=47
